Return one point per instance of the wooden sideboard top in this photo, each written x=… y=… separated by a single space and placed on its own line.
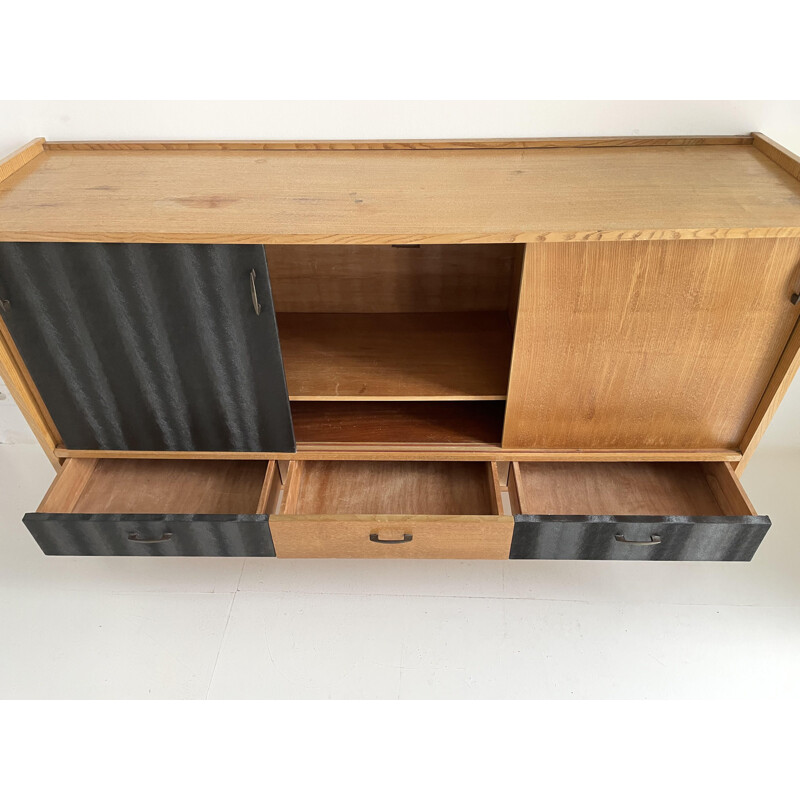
x=401 y=192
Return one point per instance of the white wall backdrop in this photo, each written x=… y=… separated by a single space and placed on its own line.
x=21 y=121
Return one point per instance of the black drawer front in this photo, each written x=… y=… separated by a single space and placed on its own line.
x=635 y=538
x=151 y=534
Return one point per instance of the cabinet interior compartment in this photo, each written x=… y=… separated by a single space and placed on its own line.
x=387 y=323
x=393 y=422
x=161 y=486
x=391 y=487
x=627 y=488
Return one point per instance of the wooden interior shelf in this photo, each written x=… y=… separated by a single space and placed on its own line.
x=398 y=422
x=419 y=356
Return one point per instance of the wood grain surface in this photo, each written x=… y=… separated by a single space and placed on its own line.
x=396 y=356
x=408 y=144
x=454 y=537
x=392 y=487
x=437 y=452
x=442 y=422
x=624 y=489
x=662 y=345
x=157 y=487
x=364 y=279
x=399 y=196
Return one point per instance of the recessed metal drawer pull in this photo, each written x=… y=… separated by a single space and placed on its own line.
x=253 y=292
x=620 y=537
x=135 y=537
x=375 y=537
x=5 y=305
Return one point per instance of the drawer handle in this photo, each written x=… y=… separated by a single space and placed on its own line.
x=620 y=537
x=254 y=292
x=375 y=537
x=135 y=537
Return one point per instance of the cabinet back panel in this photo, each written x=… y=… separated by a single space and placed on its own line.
x=364 y=279
x=647 y=344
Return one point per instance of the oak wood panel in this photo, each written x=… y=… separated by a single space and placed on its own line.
x=396 y=356
x=170 y=487
x=415 y=453
x=395 y=196
x=454 y=537
x=495 y=492
x=784 y=158
x=616 y=489
x=776 y=390
x=391 y=487
x=730 y=494
x=20 y=157
x=363 y=279
x=431 y=144
x=292 y=484
x=516 y=489
x=270 y=491
x=647 y=344
x=503 y=471
x=404 y=422
x=68 y=485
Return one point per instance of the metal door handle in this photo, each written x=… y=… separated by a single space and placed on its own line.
x=620 y=537
x=254 y=292
x=375 y=537
x=135 y=537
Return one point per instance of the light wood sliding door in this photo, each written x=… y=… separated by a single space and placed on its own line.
x=664 y=344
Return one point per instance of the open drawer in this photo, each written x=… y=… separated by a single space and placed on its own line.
x=391 y=509
x=131 y=507
x=679 y=511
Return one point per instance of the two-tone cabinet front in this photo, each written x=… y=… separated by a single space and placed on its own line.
x=526 y=350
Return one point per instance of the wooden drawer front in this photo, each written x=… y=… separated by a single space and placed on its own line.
x=340 y=509
x=399 y=536
x=151 y=534
x=638 y=538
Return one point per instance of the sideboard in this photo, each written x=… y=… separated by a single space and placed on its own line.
x=533 y=349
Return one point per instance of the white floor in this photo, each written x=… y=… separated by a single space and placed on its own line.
x=264 y=628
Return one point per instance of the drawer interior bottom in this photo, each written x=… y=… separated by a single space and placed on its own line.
x=157 y=486
x=391 y=487
x=615 y=489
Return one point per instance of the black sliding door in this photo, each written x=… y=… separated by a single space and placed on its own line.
x=150 y=346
